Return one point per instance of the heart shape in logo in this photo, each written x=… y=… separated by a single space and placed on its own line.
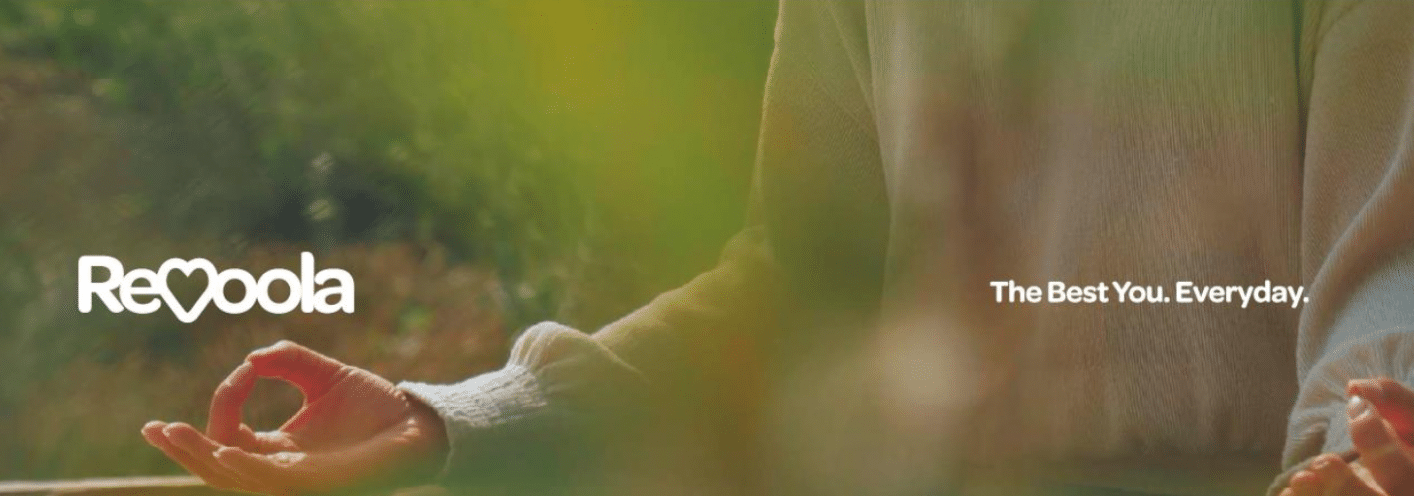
x=186 y=267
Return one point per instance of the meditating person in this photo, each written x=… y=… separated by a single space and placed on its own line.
x=850 y=342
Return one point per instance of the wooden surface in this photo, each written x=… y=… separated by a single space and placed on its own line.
x=176 y=485
x=123 y=486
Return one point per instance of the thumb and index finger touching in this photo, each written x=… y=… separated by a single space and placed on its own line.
x=313 y=373
x=1393 y=400
x=1381 y=413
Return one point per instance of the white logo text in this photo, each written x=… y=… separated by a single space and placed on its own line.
x=144 y=291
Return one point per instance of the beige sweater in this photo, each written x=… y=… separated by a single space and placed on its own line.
x=912 y=152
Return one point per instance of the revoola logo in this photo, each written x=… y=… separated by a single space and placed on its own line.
x=143 y=291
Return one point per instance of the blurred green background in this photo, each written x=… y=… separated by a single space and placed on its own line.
x=477 y=165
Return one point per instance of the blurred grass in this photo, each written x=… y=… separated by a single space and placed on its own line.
x=476 y=165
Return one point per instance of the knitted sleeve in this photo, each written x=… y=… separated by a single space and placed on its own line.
x=702 y=347
x=1358 y=213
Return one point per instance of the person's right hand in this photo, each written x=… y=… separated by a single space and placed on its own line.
x=354 y=429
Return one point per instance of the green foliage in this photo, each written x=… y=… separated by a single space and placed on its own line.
x=337 y=121
x=590 y=154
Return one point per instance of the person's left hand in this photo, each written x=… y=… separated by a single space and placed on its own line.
x=1381 y=426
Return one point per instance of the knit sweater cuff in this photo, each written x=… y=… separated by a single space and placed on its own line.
x=509 y=399
x=532 y=414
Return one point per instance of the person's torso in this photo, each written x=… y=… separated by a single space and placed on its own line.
x=1094 y=143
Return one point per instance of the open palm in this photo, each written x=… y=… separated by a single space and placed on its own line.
x=355 y=428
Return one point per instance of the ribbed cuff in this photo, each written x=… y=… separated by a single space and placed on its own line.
x=479 y=410
x=535 y=417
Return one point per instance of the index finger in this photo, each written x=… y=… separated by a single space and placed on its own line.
x=314 y=374
x=1394 y=401
x=223 y=421
x=1381 y=451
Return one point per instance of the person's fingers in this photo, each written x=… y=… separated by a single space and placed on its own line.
x=278 y=473
x=311 y=372
x=1304 y=483
x=224 y=419
x=154 y=435
x=268 y=442
x=295 y=472
x=1337 y=478
x=314 y=374
x=213 y=474
x=202 y=450
x=369 y=461
x=1394 y=401
x=1381 y=451
x=1382 y=389
x=1329 y=475
x=246 y=438
x=1363 y=474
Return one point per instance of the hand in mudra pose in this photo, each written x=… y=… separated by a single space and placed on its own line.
x=355 y=428
x=1381 y=426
